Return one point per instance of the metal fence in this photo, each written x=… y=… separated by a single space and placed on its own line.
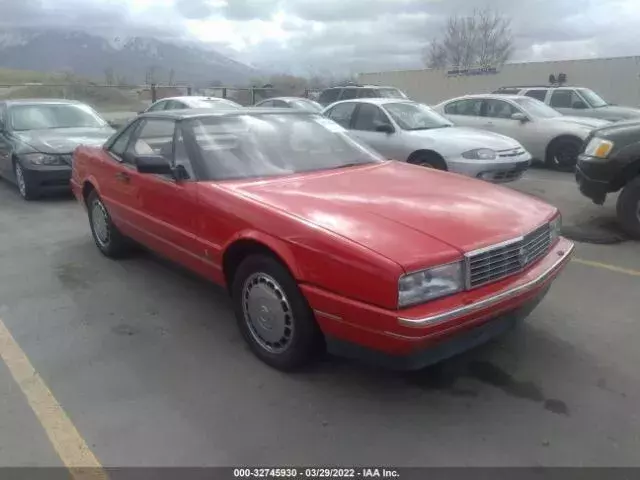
x=119 y=103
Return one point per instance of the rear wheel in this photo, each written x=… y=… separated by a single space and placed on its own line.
x=25 y=186
x=273 y=315
x=562 y=154
x=108 y=238
x=628 y=208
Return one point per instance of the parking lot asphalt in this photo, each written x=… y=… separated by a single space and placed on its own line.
x=148 y=367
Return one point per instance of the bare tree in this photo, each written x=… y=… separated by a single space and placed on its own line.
x=483 y=38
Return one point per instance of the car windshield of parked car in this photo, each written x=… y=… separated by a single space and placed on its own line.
x=536 y=108
x=266 y=145
x=592 y=98
x=415 y=116
x=48 y=116
x=307 y=105
x=389 y=93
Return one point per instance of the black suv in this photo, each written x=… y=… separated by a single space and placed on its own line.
x=611 y=162
x=349 y=92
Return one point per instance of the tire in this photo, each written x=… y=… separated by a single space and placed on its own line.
x=285 y=334
x=628 y=208
x=108 y=238
x=428 y=160
x=25 y=186
x=562 y=154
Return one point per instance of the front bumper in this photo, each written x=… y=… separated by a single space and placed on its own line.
x=496 y=171
x=418 y=336
x=47 y=178
x=595 y=176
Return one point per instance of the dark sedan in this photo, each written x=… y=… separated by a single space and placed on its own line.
x=37 y=138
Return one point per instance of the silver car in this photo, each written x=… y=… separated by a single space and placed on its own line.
x=408 y=131
x=180 y=103
x=297 y=103
x=551 y=137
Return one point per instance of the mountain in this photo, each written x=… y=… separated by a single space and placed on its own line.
x=133 y=59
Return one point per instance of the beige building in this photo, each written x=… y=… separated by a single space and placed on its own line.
x=617 y=80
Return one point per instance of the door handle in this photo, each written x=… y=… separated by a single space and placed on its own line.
x=123 y=177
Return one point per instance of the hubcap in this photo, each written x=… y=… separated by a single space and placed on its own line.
x=99 y=221
x=267 y=313
x=22 y=186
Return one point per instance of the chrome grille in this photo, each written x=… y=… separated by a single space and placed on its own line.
x=494 y=263
x=511 y=152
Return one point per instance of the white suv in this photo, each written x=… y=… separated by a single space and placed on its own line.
x=578 y=101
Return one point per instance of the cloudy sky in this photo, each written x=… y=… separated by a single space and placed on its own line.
x=316 y=36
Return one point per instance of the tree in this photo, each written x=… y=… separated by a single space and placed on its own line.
x=483 y=38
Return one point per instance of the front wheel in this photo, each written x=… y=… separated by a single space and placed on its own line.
x=628 y=208
x=273 y=315
x=562 y=154
x=25 y=186
x=108 y=238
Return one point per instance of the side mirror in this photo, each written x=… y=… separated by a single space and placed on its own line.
x=153 y=164
x=521 y=117
x=384 y=128
x=579 y=105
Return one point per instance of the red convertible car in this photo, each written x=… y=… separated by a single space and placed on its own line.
x=320 y=242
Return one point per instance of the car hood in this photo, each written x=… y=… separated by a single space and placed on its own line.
x=582 y=121
x=409 y=214
x=616 y=112
x=466 y=138
x=64 y=140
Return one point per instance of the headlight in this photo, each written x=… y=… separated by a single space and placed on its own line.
x=480 y=154
x=43 y=159
x=598 y=148
x=429 y=284
x=555 y=228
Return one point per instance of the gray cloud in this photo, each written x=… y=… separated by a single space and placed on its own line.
x=351 y=35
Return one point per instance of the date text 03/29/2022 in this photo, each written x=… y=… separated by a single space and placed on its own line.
x=316 y=473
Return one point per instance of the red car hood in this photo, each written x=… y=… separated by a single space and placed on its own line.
x=411 y=215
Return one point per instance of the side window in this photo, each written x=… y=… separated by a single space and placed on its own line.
x=369 y=117
x=499 y=109
x=329 y=96
x=341 y=114
x=349 y=93
x=471 y=107
x=157 y=106
x=120 y=145
x=280 y=104
x=537 y=94
x=155 y=137
x=564 y=98
x=268 y=103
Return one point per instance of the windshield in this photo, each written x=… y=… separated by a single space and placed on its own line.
x=415 y=116
x=592 y=98
x=307 y=105
x=46 y=116
x=536 y=108
x=389 y=93
x=266 y=145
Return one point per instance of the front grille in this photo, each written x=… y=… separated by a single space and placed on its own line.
x=492 y=264
x=512 y=152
